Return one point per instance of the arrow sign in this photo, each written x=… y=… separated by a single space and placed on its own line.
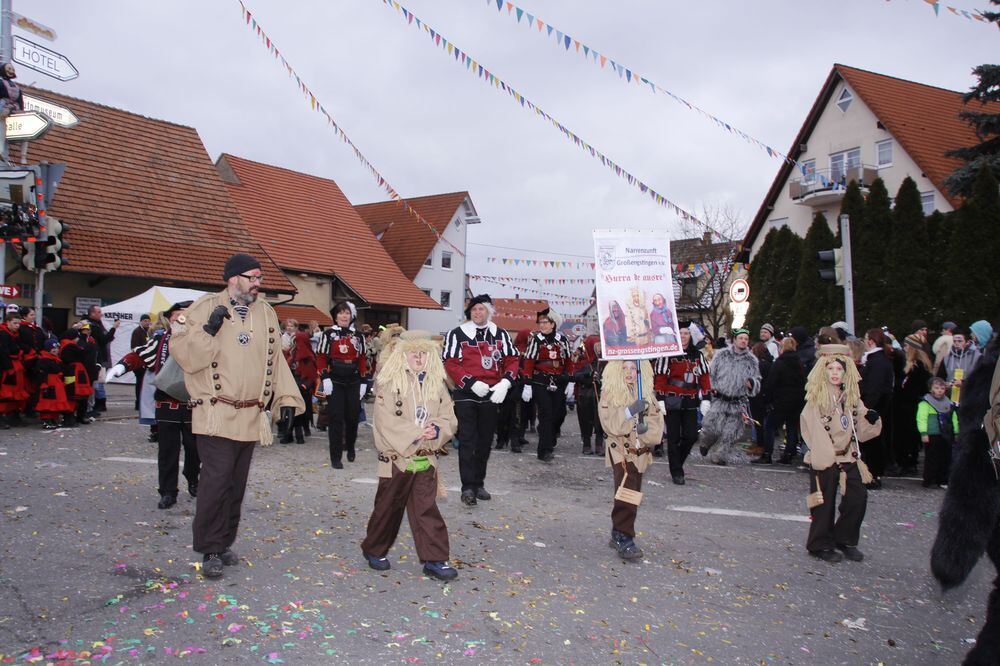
x=43 y=60
x=9 y=291
x=27 y=126
x=59 y=115
x=31 y=25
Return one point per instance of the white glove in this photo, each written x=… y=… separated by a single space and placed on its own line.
x=704 y=406
x=327 y=386
x=117 y=371
x=481 y=389
x=526 y=393
x=362 y=390
x=500 y=391
x=569 y=390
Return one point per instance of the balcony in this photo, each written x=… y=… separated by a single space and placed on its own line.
x=824 y=187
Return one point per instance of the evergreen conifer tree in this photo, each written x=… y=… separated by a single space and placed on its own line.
x=762 y=268
x=869 y=241
x=786 y=275
x=852 y=205
x=817 y=302
x=972 y=286
x=907 y=262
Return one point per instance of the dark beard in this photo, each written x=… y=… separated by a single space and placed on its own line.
x=246 y=298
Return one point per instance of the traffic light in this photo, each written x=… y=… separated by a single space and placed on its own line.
x=835 y=272
x=49 y=255
x=28 y=255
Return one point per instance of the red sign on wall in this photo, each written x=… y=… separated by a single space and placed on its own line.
x=9 y=291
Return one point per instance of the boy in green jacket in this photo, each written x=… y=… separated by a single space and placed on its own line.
x=937 y=422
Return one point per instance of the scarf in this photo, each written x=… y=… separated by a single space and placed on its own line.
x=942 y=405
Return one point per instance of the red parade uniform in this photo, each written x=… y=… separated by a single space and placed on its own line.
x=76 y=376
x=341 y=357
x=681 y=382
x=52 y=399
x=13 y=385
x=546 y=367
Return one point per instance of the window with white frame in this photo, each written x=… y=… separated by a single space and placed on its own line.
x=808 y=171
x=845 y=99
x=778 y=222
x=927 y=202
x=883 y=153
x=429 y=261
x=445 y=299
x=841 y=162
x=446 y=260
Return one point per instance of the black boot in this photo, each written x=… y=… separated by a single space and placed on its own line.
x=658 y=451
x=100 y=404
x=764 y=459
x=286 y=437
x=306 y=430
x=501 y=444
x=588 y=450
x=299 y=437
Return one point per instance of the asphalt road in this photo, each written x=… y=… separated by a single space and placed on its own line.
x=91 y=570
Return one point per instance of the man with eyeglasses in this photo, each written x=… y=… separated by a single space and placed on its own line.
x=229 y=346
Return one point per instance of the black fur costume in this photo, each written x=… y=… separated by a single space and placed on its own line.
x=970 y=516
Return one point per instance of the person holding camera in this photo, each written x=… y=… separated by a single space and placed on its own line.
x=229 y=346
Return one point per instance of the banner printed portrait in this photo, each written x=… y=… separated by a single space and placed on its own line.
x=635 y=294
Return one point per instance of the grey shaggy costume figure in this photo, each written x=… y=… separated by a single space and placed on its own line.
x=723 y=425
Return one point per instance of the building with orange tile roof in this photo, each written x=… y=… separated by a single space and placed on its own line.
x=321 y=243
x=865 y=125
x=433 y=257
x=144 y=206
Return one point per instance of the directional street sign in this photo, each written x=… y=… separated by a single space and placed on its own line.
x=9 y=291
x=31 y=25
x=59 y=115
x=43 y=60
x=27 y=126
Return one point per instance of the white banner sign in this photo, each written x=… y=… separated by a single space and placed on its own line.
x=635 y=294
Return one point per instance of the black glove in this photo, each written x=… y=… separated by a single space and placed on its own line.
x=641 y=427
x=637 y=407
x=287 y=416
x=871 y=416
x=219 y=314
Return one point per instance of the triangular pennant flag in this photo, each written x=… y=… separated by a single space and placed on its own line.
x=520 y=13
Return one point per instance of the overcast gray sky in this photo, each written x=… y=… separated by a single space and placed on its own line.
x=429 y=126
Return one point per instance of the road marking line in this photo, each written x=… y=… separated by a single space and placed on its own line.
x=713 y=466
x=125 y=459
x=743 y=514
x=769 y=469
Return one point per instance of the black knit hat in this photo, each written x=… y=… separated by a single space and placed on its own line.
x=239 y=263
x=481 y=298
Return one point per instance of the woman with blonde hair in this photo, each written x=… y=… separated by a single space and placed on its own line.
x=633 y=425
x=913 y=388
x=834 y=423
x=414 y=418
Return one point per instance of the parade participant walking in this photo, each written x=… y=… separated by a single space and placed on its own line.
x=510 y=424
x=735 y=379
x=228 y=345
x=633 y=425
x=681 y=383
x=546 y=374
x=173 y=415
x=937 y=423
x=587 y=381
x=52 y=402
x=13 y=384
x=835 y=420
x=140 y=336
x=414 y=418
x=482 y=362
x=342 y=362
x=877 y=379
x=306 y=375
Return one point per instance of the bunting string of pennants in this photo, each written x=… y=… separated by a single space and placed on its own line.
x=541 y=263
x=506 y=278
x=476 y=68
x=562 y=298
x=974 y=15
x=317 y=107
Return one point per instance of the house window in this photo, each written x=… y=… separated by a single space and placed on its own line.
x=429 y=261
x=778 y=222
x=841 y=163
x=845 y=99
x=427 y=291
x=927 y=202
x=883 y=149
x=808 y=171
x=689 y=288
x=445 y=299
x=446 y=260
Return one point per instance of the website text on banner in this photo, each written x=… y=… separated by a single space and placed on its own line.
x=635 y=294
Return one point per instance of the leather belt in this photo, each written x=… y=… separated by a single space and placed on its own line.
x=236 y=404
x=388 y=457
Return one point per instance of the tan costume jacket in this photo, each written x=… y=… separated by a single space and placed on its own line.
x=829 y=441
x=242 y=362
x=397 y=435
x=623 y=444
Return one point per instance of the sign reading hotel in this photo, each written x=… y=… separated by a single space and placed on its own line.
x=635 y=294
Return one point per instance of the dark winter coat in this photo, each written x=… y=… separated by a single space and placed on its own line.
x=102 y=338
x=807 y=354
x=760 y=402
x=877 y=377
x=786 y=384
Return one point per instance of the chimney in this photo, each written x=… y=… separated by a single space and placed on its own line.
x=706 y=238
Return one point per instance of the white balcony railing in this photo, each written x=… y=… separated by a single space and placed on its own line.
x=830 y=183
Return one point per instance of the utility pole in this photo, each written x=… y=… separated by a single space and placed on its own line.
x=845 y=236
x=6 y=54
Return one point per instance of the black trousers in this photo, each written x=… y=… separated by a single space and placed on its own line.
x=225 y=466
x=507 y=414
x=824 y=533
x=937 y=460
x=171 y=437
x=682 y=433
x=772 y=426
x=477 y=421
x=140 y=376
x=344 y=409
x=551 y=409
x=586 y=414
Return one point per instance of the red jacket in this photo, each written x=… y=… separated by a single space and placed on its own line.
x=489 y=359
x=686 y=376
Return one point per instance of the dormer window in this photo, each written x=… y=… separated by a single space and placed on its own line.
x=845 y=99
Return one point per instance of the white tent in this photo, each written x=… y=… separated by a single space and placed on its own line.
x=152 y=301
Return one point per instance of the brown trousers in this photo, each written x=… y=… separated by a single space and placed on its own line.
x=416 y=493
x=824 y=533
x=225 y=466
x=623 y=513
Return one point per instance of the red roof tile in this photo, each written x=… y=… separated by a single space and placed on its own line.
x=407 y=240
x=142 y=199
x=302 y=314
x=924 y=120
x=307 y=224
